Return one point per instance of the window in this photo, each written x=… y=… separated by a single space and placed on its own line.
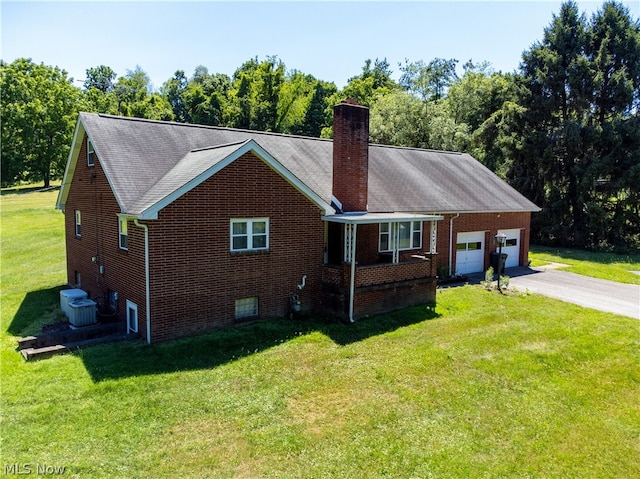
x=512 y=242
x=472 y=246
x=249 y=234
x=408 y=234
x=246 y=308
x=78 y=280
x=123 y=233
x=91 y=154
x=132 y=317
x=78 y=224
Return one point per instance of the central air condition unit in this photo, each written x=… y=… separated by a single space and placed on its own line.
x=69 y=296
x=83 y=312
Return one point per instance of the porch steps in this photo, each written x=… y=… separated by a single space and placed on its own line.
x=31 y=354
x=67 y=340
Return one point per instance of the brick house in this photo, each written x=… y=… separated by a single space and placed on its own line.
x=185 y=228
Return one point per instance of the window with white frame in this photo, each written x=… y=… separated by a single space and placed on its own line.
x=249 y=234
x=91 y=154
x=123 y=233
x=408 y=235
x=78 y=224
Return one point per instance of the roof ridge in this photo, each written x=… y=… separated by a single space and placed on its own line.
x=399 y=147
x=259 y=132
x=224 y=145
x=207 y=127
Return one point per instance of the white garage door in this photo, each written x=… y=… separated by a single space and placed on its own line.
x=512 y=247
x=470 y=252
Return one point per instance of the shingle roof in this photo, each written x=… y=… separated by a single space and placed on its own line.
x=146 y=161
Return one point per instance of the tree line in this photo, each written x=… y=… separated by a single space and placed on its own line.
x=564 y=129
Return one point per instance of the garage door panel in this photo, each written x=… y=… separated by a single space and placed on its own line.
x=470 y=252
x=512 y=247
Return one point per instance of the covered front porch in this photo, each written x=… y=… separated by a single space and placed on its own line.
x=378 y=262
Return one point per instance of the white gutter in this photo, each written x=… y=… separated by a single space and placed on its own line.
x=451 y=241
x=146 y=277
x=352 y=285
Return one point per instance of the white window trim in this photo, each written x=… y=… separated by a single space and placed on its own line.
x=78 y=222
x=132 y=319
x=392 y=232
x=250 y=222
x=122 y=235
x=91 y=154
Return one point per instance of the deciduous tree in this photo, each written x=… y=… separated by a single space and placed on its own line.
x=39 y=109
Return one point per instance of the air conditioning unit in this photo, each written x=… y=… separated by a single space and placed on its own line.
x=83 y=312
x=69 y=296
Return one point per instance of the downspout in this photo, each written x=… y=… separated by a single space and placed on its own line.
x=352 y=282
x=451 y=241
x=146 y=277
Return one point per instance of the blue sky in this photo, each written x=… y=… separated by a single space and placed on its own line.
x=330 y=40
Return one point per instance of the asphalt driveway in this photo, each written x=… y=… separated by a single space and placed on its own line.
x=600 y=294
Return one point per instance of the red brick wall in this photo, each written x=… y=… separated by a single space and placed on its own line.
x=195 y=277
x=490 y=223
x=368 y=237
x=397 y=296
x=123 y=270
x=351 y=156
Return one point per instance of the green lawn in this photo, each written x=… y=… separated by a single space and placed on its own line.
x=486 y=386
x=611 y=266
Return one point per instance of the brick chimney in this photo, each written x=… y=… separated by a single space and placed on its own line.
x=351 y=155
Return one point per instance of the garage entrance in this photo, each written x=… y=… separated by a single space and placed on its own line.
x=470 y=252
x=512 y=247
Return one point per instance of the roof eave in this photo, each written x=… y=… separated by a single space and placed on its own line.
x=70 y=168
x=375 y=218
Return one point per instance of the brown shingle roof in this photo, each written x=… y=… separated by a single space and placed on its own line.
x=146 y=160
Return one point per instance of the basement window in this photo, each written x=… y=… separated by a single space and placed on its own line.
x=249 y=234
x=246 y=308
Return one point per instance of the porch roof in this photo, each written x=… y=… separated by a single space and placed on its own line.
x=364 y=218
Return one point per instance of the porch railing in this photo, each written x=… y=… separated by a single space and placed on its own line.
x=418 y=267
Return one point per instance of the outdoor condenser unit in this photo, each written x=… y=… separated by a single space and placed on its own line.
x=83 y=312
x=69 y=296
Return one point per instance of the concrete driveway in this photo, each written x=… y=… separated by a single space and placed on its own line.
x=600 y=294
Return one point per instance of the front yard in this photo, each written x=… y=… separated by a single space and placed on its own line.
x=488 y=385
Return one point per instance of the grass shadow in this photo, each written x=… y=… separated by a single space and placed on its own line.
x=136 y=358
x=36 y=309
x=19 y=190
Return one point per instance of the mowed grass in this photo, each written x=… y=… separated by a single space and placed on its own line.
x=623 y=268
x=487 y=385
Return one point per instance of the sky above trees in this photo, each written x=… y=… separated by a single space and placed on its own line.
x=329 y=40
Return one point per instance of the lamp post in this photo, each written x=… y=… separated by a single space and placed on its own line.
x=501 y=240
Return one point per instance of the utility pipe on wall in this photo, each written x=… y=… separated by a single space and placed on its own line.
x=146 y=277
x=451 y=241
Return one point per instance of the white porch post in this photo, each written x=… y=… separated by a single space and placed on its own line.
x=352 y=285
x=395 y=231
x=434 y=237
